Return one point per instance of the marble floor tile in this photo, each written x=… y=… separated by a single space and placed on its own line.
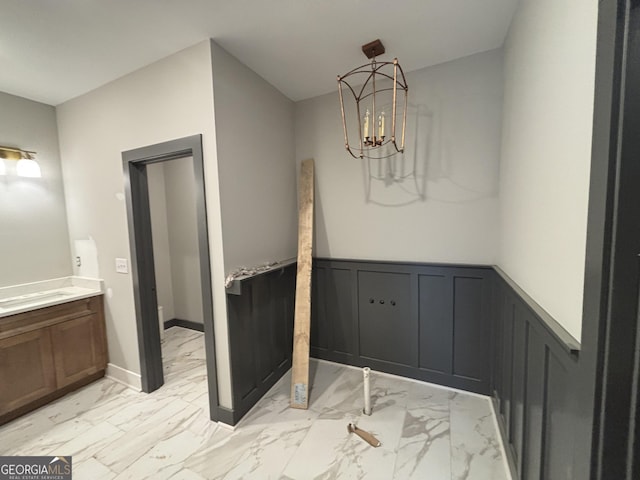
x=164 y=459
x=16 y=435
x=145 y=434
x=320 y=453
x=186 y=474
x=269 y=454
x=222 y=452
x=93 y=469
x=475 y=447
x=89 y=442
x=360 y=461
x=424 y=450
x=112 y=432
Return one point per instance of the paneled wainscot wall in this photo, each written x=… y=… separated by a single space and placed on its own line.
x=534 y=366
x=468 y=327
x=429 y=322
x=260 y=311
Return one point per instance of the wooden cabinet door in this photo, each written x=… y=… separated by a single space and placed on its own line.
x=26 y=369
x=78 y=347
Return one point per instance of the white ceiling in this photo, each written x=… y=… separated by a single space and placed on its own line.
x=54 y=50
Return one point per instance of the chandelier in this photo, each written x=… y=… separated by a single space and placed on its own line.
x=376 y=93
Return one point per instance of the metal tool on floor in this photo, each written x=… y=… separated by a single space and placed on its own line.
x=366 y=436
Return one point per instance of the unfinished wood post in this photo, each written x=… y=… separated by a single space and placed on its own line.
x=302 y=322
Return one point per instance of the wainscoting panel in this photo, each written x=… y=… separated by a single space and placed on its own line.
x=423 y=321
x=338 y=306
x=319 y=333
x=518 y=382
x=533 y=375
x=535 y=400
x=471 y=296
x=435 y=324
x=260 y=335
x=386 y=327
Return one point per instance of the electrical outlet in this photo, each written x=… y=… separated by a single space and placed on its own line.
x=122 y=266
x=78 y=261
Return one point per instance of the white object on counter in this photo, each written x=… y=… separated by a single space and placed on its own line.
x=31 y=296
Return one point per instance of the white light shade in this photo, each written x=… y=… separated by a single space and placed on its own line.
x=3 y=167
x=28 y=168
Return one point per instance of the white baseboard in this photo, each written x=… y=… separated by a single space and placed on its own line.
x=126 y=377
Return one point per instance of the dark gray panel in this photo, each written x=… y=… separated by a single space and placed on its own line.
x=436 y=322
x=518 y=378
x=319 y=336
x=260 y=335
x=262 y=319
x=559 y=423
x=534 y=426
x=470 y=331
x=386 y=327
x=241 y=344
x=179 y=322
x=405 y=320
x=338 y=296
x=507 y=365
x=280 y=346
x=498 y=343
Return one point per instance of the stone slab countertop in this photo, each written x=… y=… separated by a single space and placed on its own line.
x=32 y=296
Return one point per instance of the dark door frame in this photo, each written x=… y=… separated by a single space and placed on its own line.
x=142 y=267
x=607 y=434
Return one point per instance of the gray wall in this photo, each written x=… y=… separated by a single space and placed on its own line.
x=160 y=234
x=34 y=241
x=169 y=99
x=449 y=211
x=546 y=152
x=254 y=132
x=175 y=238
x=182 y=224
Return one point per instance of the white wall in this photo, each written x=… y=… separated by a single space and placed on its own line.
x=160 y=235
x=182 y=222
x=169 y=99
x=546 y=152
x=34 y=241
x=449 y=212
x=254 y=131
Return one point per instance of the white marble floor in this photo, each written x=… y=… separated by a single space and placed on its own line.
x=113 y=432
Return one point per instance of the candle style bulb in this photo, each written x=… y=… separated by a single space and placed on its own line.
x=381 y=125
x=366 y=124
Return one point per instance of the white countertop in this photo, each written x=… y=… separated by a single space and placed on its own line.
x=31 y=296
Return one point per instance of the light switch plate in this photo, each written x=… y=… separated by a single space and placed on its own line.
x=122 y=266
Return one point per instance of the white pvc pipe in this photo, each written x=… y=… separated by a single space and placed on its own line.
x=367 y=391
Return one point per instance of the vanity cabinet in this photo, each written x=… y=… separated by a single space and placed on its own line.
x=26 y=369
x=48 y=352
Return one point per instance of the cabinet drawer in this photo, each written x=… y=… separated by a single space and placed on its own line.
x=44 y=317
x=26 y=369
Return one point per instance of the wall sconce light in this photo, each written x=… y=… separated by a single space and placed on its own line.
x=26 y=166
x=375 y=86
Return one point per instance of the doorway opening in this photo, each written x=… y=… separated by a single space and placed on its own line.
x=138 y=165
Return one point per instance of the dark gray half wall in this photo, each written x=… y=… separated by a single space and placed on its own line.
x=428 y=322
